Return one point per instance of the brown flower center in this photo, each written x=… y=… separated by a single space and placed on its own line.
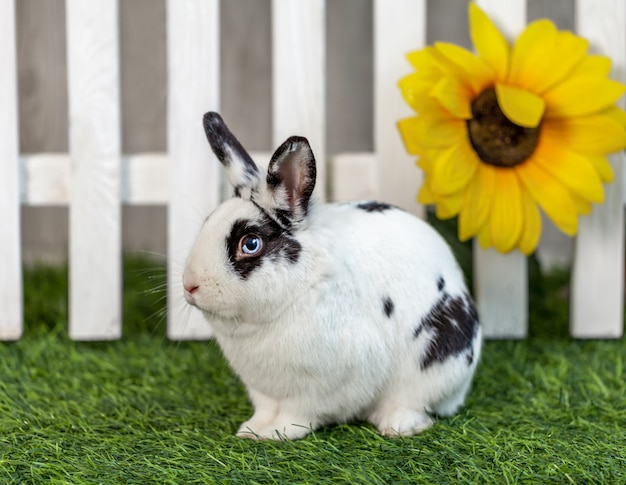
x=496 y=139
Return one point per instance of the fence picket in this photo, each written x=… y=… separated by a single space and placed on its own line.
x=298 y=82
x=597 y=286
x=399 y=28
x=95 y=212
x=501 y=281
x=10 y=244
x=193 y=88
x=95 y=179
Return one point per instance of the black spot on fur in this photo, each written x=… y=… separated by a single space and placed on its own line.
x=278 y=244
x=388 y=306
x=441 y=283
x=374 y=206
x=452 y=323
x=470 y=357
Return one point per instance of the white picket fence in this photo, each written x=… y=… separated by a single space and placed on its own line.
x=94 y=179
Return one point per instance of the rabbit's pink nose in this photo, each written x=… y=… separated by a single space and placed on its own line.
x=190 y=284
x=191 y=288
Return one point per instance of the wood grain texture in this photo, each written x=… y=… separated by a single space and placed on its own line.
x=597 y=286
x=10 y=244
x=193 y=76
x=94 y=127
x=47 y=179
x=501 y=281
x=399 y=28
x=299 y=69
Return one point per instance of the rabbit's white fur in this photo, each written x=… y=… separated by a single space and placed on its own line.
x=343 y=330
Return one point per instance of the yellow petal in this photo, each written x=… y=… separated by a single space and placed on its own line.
x=453 y=169
x=408 y=132
x=428 y=107
x=616 y=114
x=602 y=167
x=571 y=169
x=531 y=54
x=594 y=134
x=532 y=225
x=476 y=201
x=414 y=89
x=582 y=96
x=583 y=206
x=420 y=82
x=425 y=195
x=553 y=198
x=484 y=236
x=506 y=218
x=426 y=160
x=520 y=106
x=441 y=132
x=592 y=66
x=425 y=59
x=449 y=205
x=469 y=67
x=489 y=42
x=454 y=96
x=569 y=51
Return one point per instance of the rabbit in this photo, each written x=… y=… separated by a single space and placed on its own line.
x=329 y=313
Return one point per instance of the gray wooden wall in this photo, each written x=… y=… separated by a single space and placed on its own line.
x=245 y=84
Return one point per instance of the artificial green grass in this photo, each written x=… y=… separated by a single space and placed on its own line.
x=147 y=410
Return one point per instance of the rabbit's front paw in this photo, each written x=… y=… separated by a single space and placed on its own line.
x=279 y=429
x=403 y=422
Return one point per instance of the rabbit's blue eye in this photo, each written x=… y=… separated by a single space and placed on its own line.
x=251 y=244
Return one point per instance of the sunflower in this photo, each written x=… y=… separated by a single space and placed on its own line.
x=512 y=129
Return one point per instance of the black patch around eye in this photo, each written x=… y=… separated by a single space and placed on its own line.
x=374 y=206
x=453 y=323
x=388 y=306
x=277 y=244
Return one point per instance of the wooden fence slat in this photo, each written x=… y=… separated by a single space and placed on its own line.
x=95 y=212
x=597 y=285
x=399 y=28
x=10 y=244
x=501 y=281
x=501 y=289
x=353 y=176
x=99 y=178
x=299 y=71
x=193 y=89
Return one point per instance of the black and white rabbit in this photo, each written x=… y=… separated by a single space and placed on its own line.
x=329 y=312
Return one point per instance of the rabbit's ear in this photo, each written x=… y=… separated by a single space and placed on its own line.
x=241 y=169
x=291 y=179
